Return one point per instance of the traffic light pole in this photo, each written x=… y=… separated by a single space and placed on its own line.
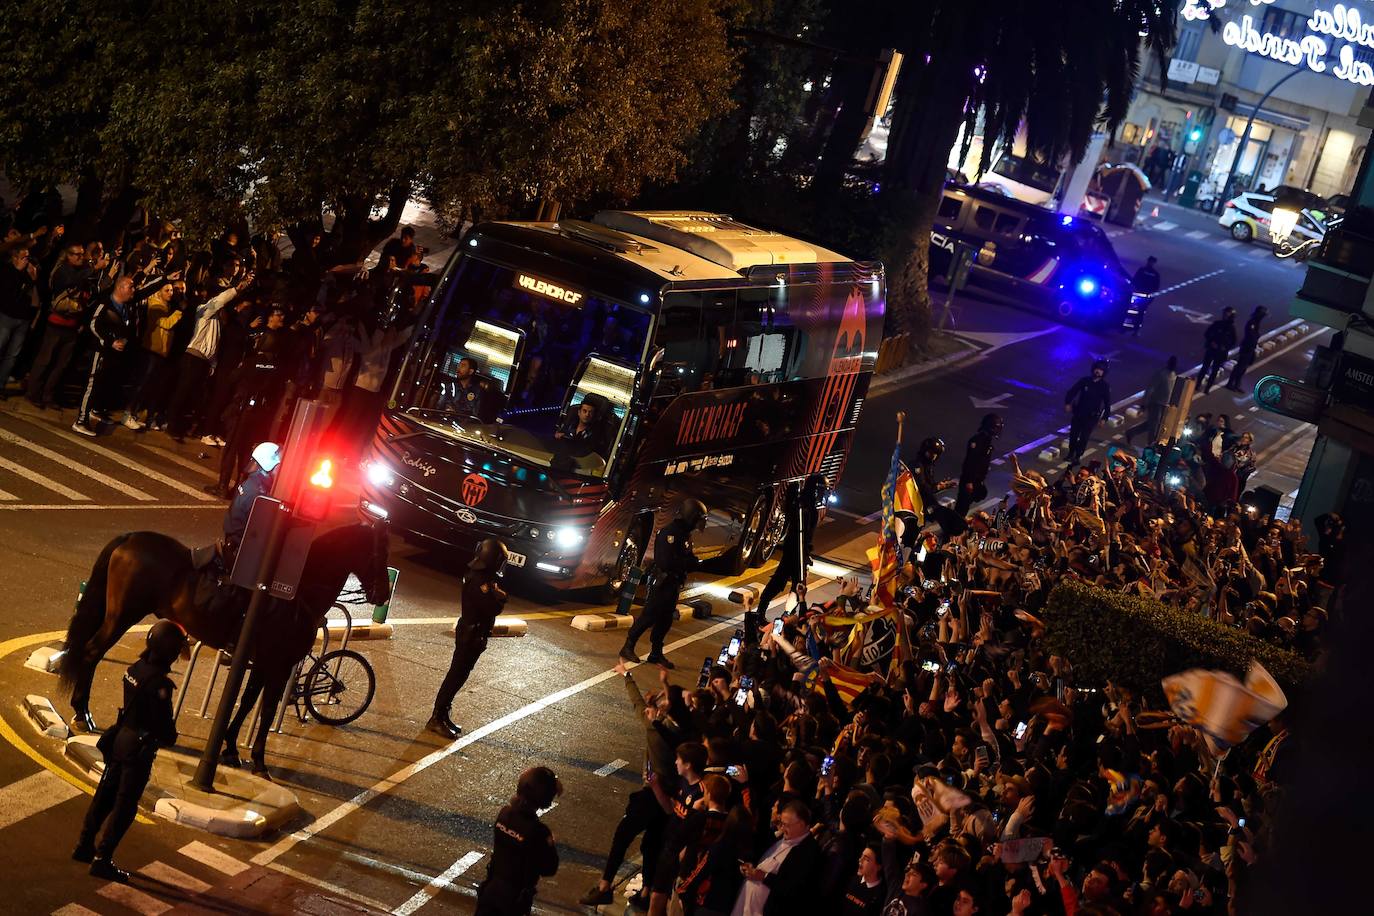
x=209 y=761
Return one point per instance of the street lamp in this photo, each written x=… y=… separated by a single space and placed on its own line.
x=1284 y=218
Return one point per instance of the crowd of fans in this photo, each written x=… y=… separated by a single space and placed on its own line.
x=218 y=343
x=965 y=769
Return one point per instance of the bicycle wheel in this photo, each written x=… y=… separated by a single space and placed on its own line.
x=339 y=687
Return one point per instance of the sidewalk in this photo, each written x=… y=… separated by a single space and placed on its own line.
x=262 y=890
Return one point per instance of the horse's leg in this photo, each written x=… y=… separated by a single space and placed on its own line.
x=274 y=686
x=116 y=624
x=230 y=754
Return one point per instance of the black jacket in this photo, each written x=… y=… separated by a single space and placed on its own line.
x=1090 y=398
x=795 y=886
x=146 y=721
x=522 y=852
x=1249 y=339
x=1220 y=335
x=249 y=489
x=673 y=557
x=483 y=601
x=978 y=458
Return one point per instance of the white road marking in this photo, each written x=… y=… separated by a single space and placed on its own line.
x=115 y=507
x=74 y=909
x=329 y=818
x=69 y=464
x=134 y=899
x=172 y=877
x=32 y=794
x=610 y=768
x=1197 y=234
x=427 y=893
x=188 y=463
x=333 y=888
x=6 y=497
x=1229 y=243
x=1252 y=408
x=121 y=458
x=1164 y=225
x=209 y=855
x=46 y=483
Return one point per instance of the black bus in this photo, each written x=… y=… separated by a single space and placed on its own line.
x=570 y=383
x=1050 y=262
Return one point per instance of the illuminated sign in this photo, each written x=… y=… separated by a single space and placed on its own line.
x=1310 y=51
x=548 y=290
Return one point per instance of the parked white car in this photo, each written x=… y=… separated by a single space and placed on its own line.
x=1247 y=218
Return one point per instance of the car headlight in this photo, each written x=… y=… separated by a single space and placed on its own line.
x=568 y=538
x=379 y=475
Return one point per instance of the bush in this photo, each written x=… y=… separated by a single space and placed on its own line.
x=1137 y=641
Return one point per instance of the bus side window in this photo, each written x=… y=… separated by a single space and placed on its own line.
x=767 y=337
x=679 y=334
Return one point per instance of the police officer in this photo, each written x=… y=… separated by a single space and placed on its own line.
x=1088 y=402
x=483 y=599
x=673 y=560
x=145 y=723
x=257 y=482
x=523 y=849
x=802 y=509
x=973 y=475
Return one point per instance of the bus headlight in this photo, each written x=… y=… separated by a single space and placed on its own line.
x=379 y=475
x=568 y=538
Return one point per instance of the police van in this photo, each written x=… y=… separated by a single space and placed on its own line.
x=1049 y=262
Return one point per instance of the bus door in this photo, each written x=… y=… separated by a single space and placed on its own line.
x=595 y=411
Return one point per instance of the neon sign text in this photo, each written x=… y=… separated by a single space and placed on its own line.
x=1310 y=51
x=1342 y=22
x=548 y=290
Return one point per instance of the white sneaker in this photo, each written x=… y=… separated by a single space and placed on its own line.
x=220 y=442
x=210 y=440
x=132 y=422
x=83 y=429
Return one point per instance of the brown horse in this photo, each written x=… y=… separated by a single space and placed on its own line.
x=149 y=573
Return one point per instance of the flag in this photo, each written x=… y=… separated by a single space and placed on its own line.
x=848 y=682
x=1223 y=708
x=899 y=491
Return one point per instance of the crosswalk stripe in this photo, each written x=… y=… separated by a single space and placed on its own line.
x=134 y=899
x=1197 y=234
x=209 y=855
x=427 y=893
x=8 y=497
x=74 y=909
x=134 y=466
x=33 y=794
x=69 y=464
x=1164 y=225
x=173 y=877
x=45 y=482
x=1229 y=243
x=188 y=463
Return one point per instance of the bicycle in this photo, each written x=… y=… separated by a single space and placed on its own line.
x=338 y=685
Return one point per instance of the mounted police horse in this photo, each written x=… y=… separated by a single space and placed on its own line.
x=149 y=573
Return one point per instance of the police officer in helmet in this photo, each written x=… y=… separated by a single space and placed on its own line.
x=257 y=482
x=801 y=508
x=673 y=560
x=146 y=722
x=523 y=849
x=483 y=599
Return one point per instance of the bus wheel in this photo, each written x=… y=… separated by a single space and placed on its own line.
x=630 y=556
x=752 y=541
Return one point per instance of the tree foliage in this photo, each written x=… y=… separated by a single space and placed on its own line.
x=279 y=110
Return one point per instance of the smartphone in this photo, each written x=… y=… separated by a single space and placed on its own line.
x=724 y=657
x=746 y=682
x=827 y=765
x=1020 y=730
x=733 y=649
x=1240 y=822
x=932 y=666
x=777 y=627
x=981 y=752
x=943 y=609
x=921 y=554
x=732 y=771
x=741 y=697
x=928 y=584
x=951 y=667
x=704 y=676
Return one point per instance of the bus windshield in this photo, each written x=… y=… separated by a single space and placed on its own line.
x=525 y=365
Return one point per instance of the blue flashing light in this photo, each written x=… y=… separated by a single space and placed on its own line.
x=1066 y=220
x=644 y=298
x=1087 y=286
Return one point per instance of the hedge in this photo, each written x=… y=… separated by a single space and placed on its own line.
x=1137 y=641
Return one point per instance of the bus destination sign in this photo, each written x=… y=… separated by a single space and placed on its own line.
x=548 y=290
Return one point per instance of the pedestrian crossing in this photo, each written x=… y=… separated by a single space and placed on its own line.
x=44 y=466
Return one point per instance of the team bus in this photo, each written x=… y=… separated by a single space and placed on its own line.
x=570 y=383
x=1054 y=263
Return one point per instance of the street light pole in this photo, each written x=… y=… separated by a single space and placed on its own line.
x=262 y=579
x=1245 y=137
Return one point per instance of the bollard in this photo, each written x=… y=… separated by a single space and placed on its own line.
x=380 y=611
x=628 y=589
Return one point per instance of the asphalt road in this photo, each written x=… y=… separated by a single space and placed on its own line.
x=392 y=810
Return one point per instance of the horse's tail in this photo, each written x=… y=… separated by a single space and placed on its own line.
x=89 y=617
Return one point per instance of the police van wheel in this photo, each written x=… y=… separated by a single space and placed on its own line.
x=1241 y=231
x=752 y=550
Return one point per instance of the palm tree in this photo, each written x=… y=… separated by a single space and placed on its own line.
x=1060 y=69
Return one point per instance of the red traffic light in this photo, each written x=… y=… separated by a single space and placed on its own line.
x=323 y=478
x=312 y=500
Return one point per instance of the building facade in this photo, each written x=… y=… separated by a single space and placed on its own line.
x=1303 y=68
